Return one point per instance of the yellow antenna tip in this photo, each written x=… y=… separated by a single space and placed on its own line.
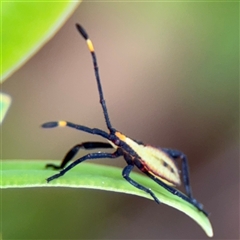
x=62 y=123
x=90 y=45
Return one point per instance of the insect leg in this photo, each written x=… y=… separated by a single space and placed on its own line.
x=95 y=131
x=175 y=154
x=84 y=158
x=174 y=191
x=73 y=151
x=126 y=172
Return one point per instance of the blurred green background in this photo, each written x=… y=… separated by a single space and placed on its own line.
x=170 y=74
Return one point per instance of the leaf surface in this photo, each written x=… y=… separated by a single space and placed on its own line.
x=25 y=174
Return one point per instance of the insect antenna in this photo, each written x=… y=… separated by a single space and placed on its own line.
x=96 y=70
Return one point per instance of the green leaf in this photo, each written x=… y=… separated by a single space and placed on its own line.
x=23 y=173
x=5 y=102
x=26 y=26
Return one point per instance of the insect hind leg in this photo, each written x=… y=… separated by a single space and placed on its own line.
x=175 y=154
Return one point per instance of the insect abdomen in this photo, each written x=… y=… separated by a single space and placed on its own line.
x=156 y=162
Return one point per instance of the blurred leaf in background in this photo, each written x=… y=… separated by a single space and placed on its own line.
x=26 y=27
x=5 y=102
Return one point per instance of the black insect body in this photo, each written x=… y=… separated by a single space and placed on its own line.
x=156 y=163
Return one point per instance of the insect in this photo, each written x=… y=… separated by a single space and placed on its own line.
x=157 y=163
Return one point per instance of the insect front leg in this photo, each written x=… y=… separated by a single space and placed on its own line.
x=84 y=158
x=74 y=150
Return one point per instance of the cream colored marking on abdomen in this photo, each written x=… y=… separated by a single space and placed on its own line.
x=157 y=162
